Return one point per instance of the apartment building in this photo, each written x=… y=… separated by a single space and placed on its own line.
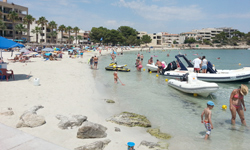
x=156 y=38
x=168 y=39
x=5 y=8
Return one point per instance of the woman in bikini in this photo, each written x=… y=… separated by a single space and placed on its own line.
x=236 y=102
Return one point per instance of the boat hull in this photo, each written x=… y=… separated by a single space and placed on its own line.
x=200 y=87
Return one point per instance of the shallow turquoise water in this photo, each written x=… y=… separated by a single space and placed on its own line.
x=175 y=112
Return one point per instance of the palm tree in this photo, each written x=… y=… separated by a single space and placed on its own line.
x=79 y=37
x=76 y=30
x=52 y=25
x=36 y=31
x=13 y=16
x=69 y=30
x=71 y=38
x=2 y=25
x=1 y=13
x=20 y=29
x=28 y=20
x=52 y=34
x=43 y=22
x=61 y=28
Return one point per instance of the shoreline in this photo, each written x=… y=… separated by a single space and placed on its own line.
x=67 y=88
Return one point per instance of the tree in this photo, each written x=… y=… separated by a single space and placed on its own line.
x=2 y=25
x=127 y=32
x=113 y=36
x=43 y=22
x=71 y=39
x=220 y=38
x=20 y=29
x=79 y=37
x=36 y=31
x=131 y=40
x=76 y=30
x=189 y=40
x=98 y=33
x=52 y=35
x=69 y=30
x=53 y=26
x=146 y=39
x=61 y=28
x=175 y=42
x=28 y=20
x=13 y=16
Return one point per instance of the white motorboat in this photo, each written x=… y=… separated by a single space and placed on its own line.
x=192 y=85
x=212 y=74
x=153 y=67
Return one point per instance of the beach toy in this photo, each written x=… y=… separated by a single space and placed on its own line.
x=224 y=106
x=130 y=144
x=114 y=66
x=36 y=82
x=150 y=71
x=166 y=80
x=157 y=75
x=213 y=65
x=195 y=95
x=239 y=64
x=143 y=69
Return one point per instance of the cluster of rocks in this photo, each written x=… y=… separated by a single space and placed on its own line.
x=87 y=129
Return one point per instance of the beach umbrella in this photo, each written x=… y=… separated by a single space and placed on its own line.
x=23 y=50
x=27 y=52
x=70 y=50
x=6 y=43
x=112 y=52
x=48 y=54
x=86 y=47
x=77 y=48
x=48 y=50
x=132 y=46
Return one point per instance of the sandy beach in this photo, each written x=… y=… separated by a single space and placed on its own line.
x=67 y=87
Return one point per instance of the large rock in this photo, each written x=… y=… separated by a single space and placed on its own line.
x=130 y=119
x=109 y=101
x=6 y=112
x=158 y=134
x=30 y=119
x=66 y=122
x=91 y=130
x=98 y=145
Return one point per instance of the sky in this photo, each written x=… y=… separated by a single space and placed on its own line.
x=152 y=16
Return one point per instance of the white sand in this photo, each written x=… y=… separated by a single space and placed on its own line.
x=67 y=88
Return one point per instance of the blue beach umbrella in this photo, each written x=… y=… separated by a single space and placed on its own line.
x=70 y=50
x=112 y=52
x=48 y=54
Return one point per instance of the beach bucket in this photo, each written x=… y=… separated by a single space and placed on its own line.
x=36 y=82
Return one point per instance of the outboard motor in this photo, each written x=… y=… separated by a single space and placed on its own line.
x=174 y=65
x=184 y=77
x=210 y=68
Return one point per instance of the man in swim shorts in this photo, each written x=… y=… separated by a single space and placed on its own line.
x=159 y=64
x=208 y=115
x=197 y=63
x=95 y=62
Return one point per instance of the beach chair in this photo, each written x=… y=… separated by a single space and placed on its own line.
x=7 y=73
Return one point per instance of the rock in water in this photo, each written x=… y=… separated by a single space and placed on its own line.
x=66 y=122
x=91 y=130
x=98 y=145
x=109 y=101
x=6 y=112
x=130 y=119
x=117 y=129
x=151 y=145
x=158 y=134
x=30 y=119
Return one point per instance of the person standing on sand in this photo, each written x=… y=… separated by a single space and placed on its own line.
x=208 y=115
x=236 y=101
x=91 y=62
x=95 y=62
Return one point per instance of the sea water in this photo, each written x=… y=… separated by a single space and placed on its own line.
x=175 y=112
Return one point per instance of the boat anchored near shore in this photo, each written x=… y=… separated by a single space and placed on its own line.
x=190 y=84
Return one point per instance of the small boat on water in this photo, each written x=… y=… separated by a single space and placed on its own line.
x=113 y=67
x=190 y=84
x=212 y=74
x=153 y=68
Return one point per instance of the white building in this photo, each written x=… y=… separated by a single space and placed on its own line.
x=156 y=38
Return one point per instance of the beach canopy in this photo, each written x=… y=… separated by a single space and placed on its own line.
x=48 y=50
x=76 y=48
x=6 y=43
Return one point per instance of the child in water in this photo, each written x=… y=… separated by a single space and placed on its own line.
x=115 y=76
x=208 y=115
